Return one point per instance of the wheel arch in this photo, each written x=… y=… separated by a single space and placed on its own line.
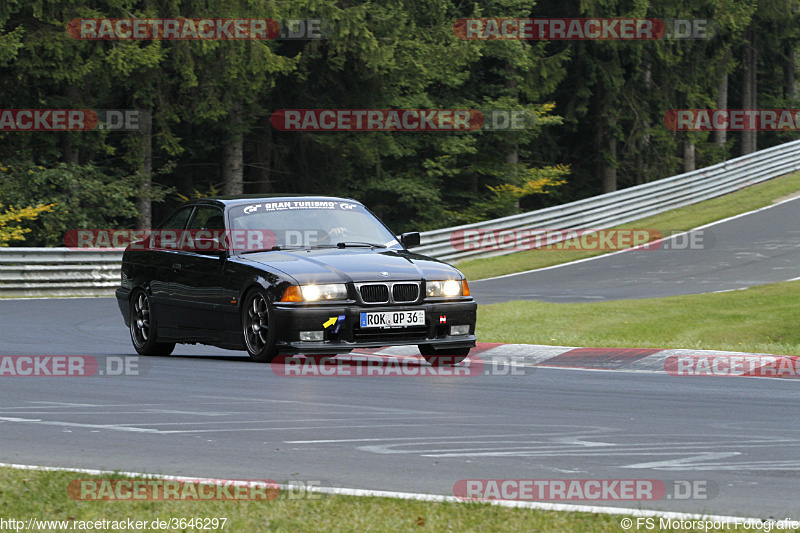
x=273 y=291
x=260 y=346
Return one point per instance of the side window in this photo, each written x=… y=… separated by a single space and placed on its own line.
x=205 y=233
x=207 y=217
x=169 y=232
x=177 y=220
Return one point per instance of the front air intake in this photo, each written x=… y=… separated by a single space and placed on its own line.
x=375 y=293
x=405 y=292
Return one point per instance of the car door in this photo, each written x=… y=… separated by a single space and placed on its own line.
x=197 y=285
x=161 y=256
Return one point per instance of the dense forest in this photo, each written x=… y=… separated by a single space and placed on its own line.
x=596 y=107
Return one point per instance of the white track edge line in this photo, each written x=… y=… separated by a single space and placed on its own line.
x=420 y=497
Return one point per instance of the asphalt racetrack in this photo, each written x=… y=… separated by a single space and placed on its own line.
x=210 y=412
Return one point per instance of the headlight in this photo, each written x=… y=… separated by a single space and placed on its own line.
x=447 y=288
x=315 y=293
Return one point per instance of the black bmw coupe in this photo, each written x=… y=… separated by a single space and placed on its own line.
x=290 y=275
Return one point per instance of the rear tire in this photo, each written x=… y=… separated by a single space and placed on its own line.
x=443 y=356
x=259 y=335
x=143 y=327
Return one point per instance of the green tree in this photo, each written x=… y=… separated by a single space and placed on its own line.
x=82 y=197
x=12 y=217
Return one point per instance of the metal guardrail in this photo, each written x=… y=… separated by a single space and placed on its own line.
x=619 y=207
x=58 y=272
x=64 y=272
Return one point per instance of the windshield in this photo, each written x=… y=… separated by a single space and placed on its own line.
x=307 y=224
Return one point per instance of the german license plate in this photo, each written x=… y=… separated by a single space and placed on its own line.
x=393 y=319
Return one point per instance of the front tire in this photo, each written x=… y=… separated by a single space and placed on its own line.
x=443 y=356
x=259 y=335
x=143 y=327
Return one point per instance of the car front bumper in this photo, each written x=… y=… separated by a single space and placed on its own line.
x=345 y=335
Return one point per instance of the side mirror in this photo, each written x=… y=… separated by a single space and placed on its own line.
x=409 y=240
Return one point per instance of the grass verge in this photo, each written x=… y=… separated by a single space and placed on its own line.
x=677 y=220
x=761 y=319
x=43 y=495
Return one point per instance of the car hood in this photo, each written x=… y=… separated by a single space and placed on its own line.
x=354 y=264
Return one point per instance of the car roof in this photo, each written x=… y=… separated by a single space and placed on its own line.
x=250 y=198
